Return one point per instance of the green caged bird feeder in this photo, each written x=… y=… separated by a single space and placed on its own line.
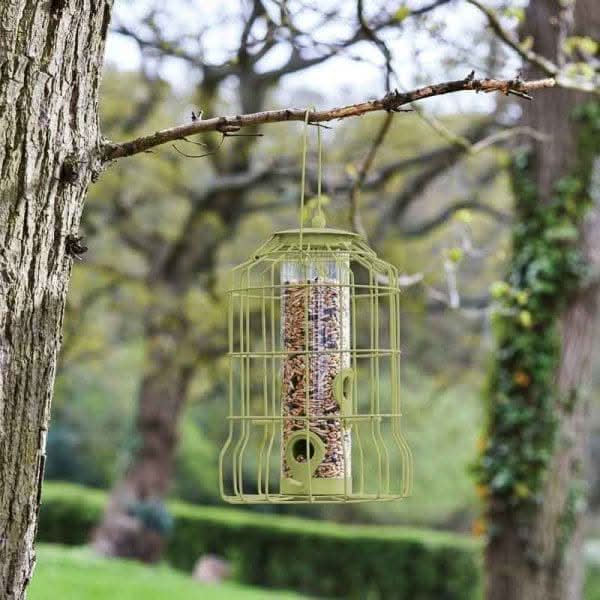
x=314 y=359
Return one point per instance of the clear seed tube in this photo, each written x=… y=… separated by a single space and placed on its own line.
x=317 y=378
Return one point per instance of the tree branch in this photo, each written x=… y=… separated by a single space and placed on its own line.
x=390 y=102
x=372 y=35
x=438 y=220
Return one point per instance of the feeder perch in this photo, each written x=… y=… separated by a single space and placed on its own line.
x=314 y=391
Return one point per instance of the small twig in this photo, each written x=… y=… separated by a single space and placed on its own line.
x=211 y=153
x=195 y=143
x=191 y=155
x=443 y=131
x=243 y=135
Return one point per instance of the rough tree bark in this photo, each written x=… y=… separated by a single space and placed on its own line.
x=50 y=62
x=550 y=565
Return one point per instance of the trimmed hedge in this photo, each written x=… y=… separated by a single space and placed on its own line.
x=313 y=557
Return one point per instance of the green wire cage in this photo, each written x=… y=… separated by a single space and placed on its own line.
x=314 y=381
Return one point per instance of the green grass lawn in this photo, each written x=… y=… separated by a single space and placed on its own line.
x=77 y=574
x=592 y=584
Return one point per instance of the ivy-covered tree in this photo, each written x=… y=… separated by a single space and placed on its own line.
x=532 y=466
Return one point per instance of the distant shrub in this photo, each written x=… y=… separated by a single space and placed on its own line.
x=318 y=558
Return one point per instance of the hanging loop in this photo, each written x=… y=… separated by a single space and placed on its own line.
x=318 y=220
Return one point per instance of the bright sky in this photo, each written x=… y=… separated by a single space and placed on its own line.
x=418 y=59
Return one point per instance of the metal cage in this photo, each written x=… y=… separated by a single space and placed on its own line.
x=314 y=380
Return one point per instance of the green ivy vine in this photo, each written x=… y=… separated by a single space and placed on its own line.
x=546 y=268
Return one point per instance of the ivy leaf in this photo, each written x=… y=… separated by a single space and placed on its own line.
x=522 y=490
x=525 y=319
x=522 y=297
x=502 y=480
x=499 y=289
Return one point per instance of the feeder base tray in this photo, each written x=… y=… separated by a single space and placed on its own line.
x=318 y=486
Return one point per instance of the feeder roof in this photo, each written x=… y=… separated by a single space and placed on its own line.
x=316 y=237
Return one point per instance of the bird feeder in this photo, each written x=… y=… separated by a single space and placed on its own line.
x=314 y=391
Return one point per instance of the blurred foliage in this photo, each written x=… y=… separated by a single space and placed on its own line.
x=92 y=420
x=153 y=515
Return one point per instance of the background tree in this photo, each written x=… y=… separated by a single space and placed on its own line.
x=534 y=452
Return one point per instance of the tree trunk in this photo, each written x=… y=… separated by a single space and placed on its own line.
x=125 y=530
x=543 y=560
x=50 y=62
x=556 y=534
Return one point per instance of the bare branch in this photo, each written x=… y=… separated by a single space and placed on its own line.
x=380 y=177
x=390 y=102
x=443 y=217
x=186 y=245
x=355 y=217
x=444 y=132
x=417 y=184
x=425 y=9
x=506 y=134
x=257 y=10
x=372 y=35
x=161 y=45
